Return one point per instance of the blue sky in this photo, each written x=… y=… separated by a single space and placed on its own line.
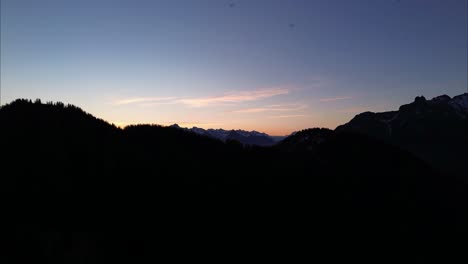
x=270 y=65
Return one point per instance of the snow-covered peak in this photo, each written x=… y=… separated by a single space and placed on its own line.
x=258 y=134
x=250 y=137
x=217 y=133
x=198 y=130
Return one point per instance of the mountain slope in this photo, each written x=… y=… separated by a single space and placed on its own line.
x=435 y=130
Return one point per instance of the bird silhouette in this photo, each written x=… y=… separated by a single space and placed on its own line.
x=292 y=25
x=231 y=5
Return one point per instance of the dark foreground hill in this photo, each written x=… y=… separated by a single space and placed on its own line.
x=139 y=188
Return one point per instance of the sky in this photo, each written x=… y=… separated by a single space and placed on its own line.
x=274 y=66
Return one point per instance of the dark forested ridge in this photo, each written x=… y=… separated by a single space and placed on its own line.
x=332 y=186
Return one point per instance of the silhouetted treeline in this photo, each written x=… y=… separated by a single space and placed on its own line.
x=140 y=188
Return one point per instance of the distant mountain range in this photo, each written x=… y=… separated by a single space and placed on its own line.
x=244 y=137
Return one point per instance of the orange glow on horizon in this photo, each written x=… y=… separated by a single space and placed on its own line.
x=270 y=131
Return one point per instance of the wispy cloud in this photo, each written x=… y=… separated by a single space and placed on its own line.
x=286 y=116
x=273 y=108
x=227 y=98
x=147 y=100
x=234 y=97
x=169 y=102
x=332 y=99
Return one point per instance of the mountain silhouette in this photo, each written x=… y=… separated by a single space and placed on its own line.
x=244 y=137
x=435 y=130
x=143 y=183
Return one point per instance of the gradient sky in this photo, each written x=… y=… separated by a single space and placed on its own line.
x=274 y=66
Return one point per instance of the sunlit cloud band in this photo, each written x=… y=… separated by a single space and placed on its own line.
x=228 y=98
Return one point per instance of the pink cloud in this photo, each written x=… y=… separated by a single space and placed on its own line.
x=228 y=98
x=234 y=97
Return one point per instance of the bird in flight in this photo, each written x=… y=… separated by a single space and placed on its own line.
x=232 y=4
x=292 y=25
